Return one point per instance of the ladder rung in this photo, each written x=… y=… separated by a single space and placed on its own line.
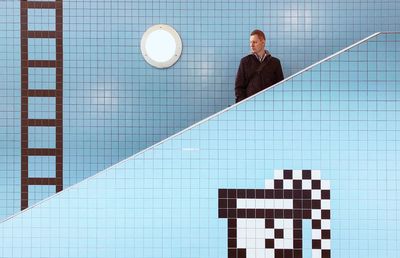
x=42 y=93
x=41 y=34
x=40 y=152
x=44 y=122
x=42 y=63
x=42 y=181
x=39 y=5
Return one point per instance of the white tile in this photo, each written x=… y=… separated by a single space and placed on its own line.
x=250 y=204
x=279 y=244
x=260 y=253
x=241 y=203
x=269 y=253
x=251 y=223
x=279 y=223
x=264 y=203
x=316 y=194
x=260 y=224
x=316 y=253
x=315 y=174
x=325 y=205
x=251 y=233
x=278 y=203
x=288 y=233
x=260 y=243
x=325 y=184
x=316 y=214
x=287 y=203
x=241 y=233
x=269 y=233
x=297 y=174
x=288 y=223
x=260 y=232
x=269 y=184
x=316 y=234
x=241 y=243
x=306 y=184
x=288 y=243
x=288 y=184
x=325 y=224
x=250 y=253
x=326 y=244
x=278 y=174
x=241 y=223
x=250 y=243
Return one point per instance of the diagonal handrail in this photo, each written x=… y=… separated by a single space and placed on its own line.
x=203 y=121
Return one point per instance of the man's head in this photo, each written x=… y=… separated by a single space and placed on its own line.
x=257 y=42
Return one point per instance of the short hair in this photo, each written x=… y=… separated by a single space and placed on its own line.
x=259 y=33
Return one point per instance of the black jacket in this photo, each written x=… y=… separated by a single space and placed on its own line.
x=253 y=76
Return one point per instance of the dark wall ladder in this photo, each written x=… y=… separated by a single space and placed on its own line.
x=27 y=93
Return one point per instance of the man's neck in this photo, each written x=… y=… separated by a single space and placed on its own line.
x=261 y=53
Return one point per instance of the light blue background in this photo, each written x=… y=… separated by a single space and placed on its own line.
x=116 y=105
x=341 y=117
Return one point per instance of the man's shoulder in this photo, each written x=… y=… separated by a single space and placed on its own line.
x=275 y=59
x=248 y=58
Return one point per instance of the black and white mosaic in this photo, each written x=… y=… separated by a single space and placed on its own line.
x=267 y=223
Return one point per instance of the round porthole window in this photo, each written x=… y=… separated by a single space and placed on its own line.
x=161 y=46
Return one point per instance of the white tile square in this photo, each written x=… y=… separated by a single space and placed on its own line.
x=241 y=233
x=279 y=223
x=315 y=174
x=269 y=184
x=306 y=184
x=269 y=253
x=251 y=233
x=251 y=252
x=241 y=223
x=250 y=203
x=288 y=243
x=316 y=253
x=325 y=224
x=326 y=244
x=288 y=223
x=260 y=243
x=260 y=224
x=269 y=233
x=316 y=214
x=250 y=243
x=325 y=204
x=260 y=233
x=316 y=194
x=278 y=174
x=279 y=244
x=325 y=184
x=297 y=174
x=251 y=223
x=241 y=243
x=288 y=233
x=287 y=184
x=260 y=253
x=316 y=234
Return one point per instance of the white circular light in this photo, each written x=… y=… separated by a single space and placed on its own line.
x=161 y=46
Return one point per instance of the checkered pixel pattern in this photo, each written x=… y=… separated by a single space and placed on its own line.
x=268 y=223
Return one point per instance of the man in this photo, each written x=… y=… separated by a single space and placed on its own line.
x=257 y=71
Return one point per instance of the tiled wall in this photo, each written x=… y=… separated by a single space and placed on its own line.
x=334 y=128
x=115 y=104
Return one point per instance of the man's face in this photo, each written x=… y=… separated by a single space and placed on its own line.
x=257 y=45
